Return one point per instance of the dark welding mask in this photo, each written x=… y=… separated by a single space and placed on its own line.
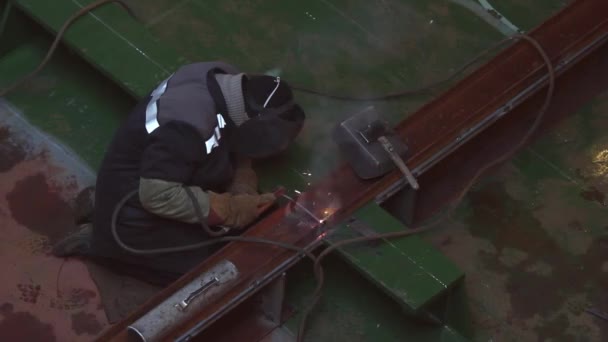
x=274 y=122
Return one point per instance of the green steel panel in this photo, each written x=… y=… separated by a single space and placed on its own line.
x=67 y=100
x=409 y=269
x=111 y=40
x=351 y=309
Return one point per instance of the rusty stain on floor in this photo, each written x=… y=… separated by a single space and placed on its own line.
x=84 y=323
x=53 y=214
x=43 y=298
x=23 y=326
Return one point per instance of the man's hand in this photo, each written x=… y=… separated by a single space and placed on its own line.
x=236 y=211
x=245 y=179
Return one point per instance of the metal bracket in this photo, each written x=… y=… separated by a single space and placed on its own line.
x=401 y=199
x=271 y=300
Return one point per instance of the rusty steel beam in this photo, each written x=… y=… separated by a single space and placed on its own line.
x=576 y=88
x=487 y=109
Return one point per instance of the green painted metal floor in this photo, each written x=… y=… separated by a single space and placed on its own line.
x=532 y=238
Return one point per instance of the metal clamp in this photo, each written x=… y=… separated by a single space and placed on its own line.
x=183 y=305
x=390 y=149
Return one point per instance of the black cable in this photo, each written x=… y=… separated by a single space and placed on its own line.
x=82 y=12
x=407 y=92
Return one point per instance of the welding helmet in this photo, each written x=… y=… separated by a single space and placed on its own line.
x=274 y=118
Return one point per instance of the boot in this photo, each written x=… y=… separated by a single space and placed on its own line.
x=84 y=204
x=77 y=243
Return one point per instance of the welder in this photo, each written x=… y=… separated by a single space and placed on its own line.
x=187 y=150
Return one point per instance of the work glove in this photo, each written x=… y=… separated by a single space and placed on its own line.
x=245 y=179
x=236 y=211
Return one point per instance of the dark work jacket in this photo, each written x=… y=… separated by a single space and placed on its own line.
x=171 y=135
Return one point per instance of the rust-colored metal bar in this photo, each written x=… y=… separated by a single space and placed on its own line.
x=502 y=90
